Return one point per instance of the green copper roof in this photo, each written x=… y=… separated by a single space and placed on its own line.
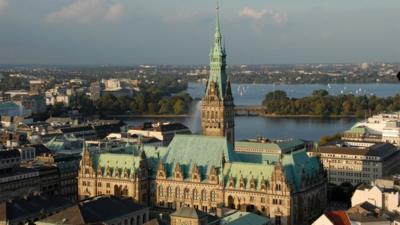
x=66 y=142
x=199 y=149
x=9 y=106
x=257 y=145
x=258 y=158
x=218 y=62
x=298 y=165
x=357 y=130
x=247 y=171
x=244 y=218
x=116 y=161
x=270 y=147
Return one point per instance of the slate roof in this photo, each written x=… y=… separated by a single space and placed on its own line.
x=378 y=150
x=6 y=154
x=31 y=206
x=95 y=211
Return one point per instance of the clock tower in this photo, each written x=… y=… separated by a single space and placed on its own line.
x=218 y=113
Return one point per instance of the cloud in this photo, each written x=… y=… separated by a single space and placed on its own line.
x=185 y=16
x=3 y=4
x=114 y=12
x=252 y=13
x=87 y=11
x=277 y=17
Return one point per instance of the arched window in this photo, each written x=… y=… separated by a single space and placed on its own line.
x=195 y=194
x=125 y=191
x=213 y=196
x=186 y=193
x=203 y=195
x=160 y=191
x=177 y=192
x=169 y=191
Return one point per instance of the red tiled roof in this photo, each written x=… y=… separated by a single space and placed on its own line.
x=338 y=217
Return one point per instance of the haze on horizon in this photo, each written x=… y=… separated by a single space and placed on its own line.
x=180 y=32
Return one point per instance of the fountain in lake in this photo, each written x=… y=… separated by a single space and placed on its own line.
x=195 y=118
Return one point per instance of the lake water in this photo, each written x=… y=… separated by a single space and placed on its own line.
x=274 y=128
x=282 y=128
x=253 y=94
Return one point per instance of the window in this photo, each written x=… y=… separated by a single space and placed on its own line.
x=169 y=191
x=195 y=194
x=177 y=192
x=99 y=184
x=186 y=193
x=278 y=187
x=278 y=220
x=203 y=195
x=213 y=196
x=108 y=185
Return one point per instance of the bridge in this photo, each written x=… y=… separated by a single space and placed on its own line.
x=249 y=110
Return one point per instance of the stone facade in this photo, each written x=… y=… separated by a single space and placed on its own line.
x=111 y=179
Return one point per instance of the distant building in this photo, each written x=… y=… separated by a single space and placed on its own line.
x=162 y=131
x=358 y=164
x=4 y=97
x=11 y=109
x=36 y=87
x=12 y=139
x=383 y=193
x=378 y=128
x=95 y=90
x=368 y=214
x=361 y=214
x=100 y=210
x=35 y=103
x=49 y=176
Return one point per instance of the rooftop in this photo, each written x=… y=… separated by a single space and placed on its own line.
x=95 y=211
x=379 y=150
x=29 y=206
x=188 y=212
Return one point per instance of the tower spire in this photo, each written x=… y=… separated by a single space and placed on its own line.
x=217 y=106
x=217 y=25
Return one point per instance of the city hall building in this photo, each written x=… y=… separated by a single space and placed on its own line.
x=211 y=170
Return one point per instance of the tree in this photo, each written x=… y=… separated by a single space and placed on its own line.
x=179 y=106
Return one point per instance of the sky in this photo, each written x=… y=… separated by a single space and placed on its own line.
x=131 y=32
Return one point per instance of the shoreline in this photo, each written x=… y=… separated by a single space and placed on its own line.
x=265 y=116
x=148 y=116
x=307 y=116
